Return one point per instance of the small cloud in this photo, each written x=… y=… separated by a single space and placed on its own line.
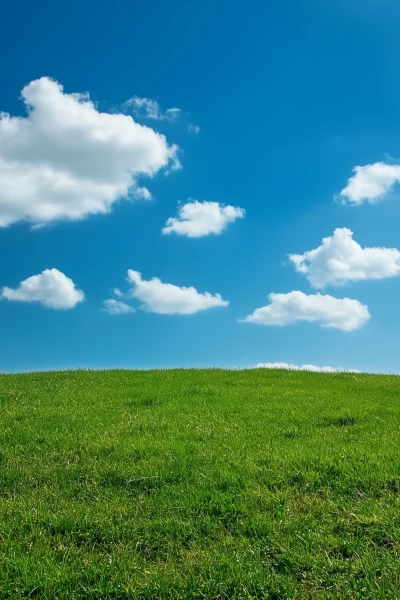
x=50 y=288
x=338 y=313
x=150 y=109
x=370 y=183
x=142 y=193
x=194 y=129
x=172 y=113
x=145 y=106
x=313 y=368
x=117 y=292
x=340 y=259
x=116 y=307
x=175 y=163
x=198 y=219
x=169 y=299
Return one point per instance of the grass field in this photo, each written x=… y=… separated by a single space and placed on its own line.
x=203 y=484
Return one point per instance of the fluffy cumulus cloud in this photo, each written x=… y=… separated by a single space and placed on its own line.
x=370 y=183
x=197 y=219
x=313 y=368
x=50 y=288
x=340 y=259
x=168 y=299
x=117 y=307
x=150 y=109
x=67 y=160
x=339 y=313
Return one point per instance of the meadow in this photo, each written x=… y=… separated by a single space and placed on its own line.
x=199 y=484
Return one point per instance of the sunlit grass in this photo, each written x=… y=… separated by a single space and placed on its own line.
x=199 y=484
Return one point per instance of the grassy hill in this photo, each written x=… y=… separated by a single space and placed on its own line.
x=199 y=485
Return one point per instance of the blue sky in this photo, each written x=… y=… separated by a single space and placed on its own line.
x=288 y=97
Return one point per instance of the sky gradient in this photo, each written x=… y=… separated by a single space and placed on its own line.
x=180 y=179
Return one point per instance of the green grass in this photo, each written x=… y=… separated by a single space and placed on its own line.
x=203 y=484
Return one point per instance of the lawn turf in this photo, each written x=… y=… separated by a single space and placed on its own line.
x=199 y=484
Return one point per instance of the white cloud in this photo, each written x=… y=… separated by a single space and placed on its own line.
x=313 y=368
x=116 y=307
x=172 y=113
x=370 y=183
x=197 y=219
x=150 y=109
x=340 y=259
x=67 y=160
x=117 y=292
x=193 y=128
x=51 y=288
x=345 y=314
x=168 y=299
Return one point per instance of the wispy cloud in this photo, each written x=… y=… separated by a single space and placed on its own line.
x=193 y=128
x=150 y=109
x=116 y=307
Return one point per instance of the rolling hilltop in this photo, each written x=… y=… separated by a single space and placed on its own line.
x=208 y=484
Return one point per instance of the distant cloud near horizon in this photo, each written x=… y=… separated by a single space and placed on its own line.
x=312 y=368
x=338 y=313
x=65 y=160
x=198 y=219
x=340 y=259
x=50 y=288
x=169 y=299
